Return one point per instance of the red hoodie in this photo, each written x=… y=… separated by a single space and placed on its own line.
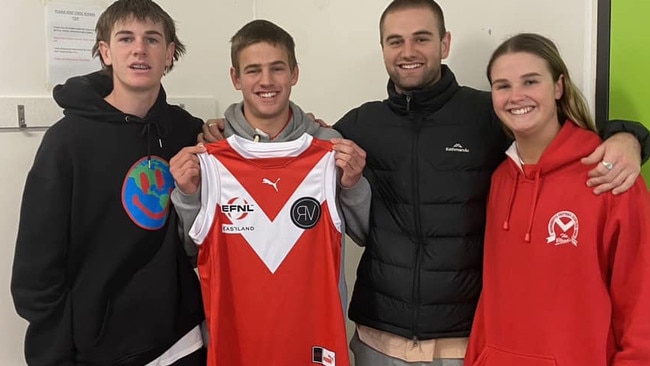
x=566 y=273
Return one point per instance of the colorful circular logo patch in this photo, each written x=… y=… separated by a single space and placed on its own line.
x=145 y=192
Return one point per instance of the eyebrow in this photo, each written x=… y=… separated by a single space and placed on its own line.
x=530 y=74
x=423 y=33
x=274 y=63
x=128 y=32
x=392 y=37
x=498 y=81
x=418 y=33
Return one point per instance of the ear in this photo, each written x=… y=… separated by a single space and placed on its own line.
x=559 y=87
x=445 y=44
x=234 y=77
x=169 y=57
x=105 y=53
x=294 y=75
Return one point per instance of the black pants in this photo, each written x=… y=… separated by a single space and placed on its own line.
x=197 y=358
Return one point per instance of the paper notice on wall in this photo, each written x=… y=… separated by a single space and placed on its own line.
x=70 y=38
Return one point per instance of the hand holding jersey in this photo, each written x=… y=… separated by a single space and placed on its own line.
x=349 y=156
x=186 y=170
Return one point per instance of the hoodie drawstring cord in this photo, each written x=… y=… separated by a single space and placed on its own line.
x=531 y=216
x=146 y=131
x=533 y=207
x=511 y=200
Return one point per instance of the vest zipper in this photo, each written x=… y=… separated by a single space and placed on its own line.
x=416 y=120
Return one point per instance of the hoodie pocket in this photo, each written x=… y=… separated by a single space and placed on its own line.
x=496 y=357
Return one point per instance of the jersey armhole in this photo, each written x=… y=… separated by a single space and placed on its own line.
x=330 y=184
x=210 y=193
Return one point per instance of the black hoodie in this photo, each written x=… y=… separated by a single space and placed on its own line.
x=99 y=270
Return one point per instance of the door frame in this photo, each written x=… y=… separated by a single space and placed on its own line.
x=603 y=41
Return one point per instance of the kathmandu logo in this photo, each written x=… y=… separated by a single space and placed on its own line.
x=457 y=148
x=271 y=183
x=567 y=223
x=237 y=209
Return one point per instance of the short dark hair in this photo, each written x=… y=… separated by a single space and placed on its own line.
x=258 y=31
x=396 y=5
x=122 y=10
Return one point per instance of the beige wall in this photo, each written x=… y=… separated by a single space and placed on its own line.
x=340 y=68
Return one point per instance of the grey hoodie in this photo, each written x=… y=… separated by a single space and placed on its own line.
x=354 y=202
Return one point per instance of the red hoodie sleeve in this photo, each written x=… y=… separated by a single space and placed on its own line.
x=627 y=231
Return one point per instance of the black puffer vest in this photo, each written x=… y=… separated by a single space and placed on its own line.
x=430 y=156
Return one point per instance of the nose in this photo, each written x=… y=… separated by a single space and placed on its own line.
x=139 y=46
x=517 y=93
x=408 y=49
x=265 y=77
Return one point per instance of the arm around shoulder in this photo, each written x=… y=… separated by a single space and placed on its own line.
x=637 y=129
x=347 y=124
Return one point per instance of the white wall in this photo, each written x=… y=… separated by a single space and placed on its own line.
x=340 y=68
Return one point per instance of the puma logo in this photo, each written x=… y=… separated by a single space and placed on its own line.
x=272 y=184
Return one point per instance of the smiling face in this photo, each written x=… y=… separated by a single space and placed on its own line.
x=265 y=80
x=413 y=48
x=524 y=94
x=138 y=53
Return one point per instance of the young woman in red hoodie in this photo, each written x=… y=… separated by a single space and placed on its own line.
x=566 y=278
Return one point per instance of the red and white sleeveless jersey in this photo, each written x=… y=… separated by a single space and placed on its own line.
x=270 y=253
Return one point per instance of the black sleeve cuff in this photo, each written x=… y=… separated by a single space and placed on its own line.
x=639 y=131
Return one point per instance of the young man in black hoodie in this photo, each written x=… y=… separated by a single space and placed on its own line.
x=99 y=270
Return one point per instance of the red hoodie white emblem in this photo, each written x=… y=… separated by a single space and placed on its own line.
x=567 y=222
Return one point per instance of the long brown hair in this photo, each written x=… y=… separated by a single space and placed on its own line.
x=572 y=104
